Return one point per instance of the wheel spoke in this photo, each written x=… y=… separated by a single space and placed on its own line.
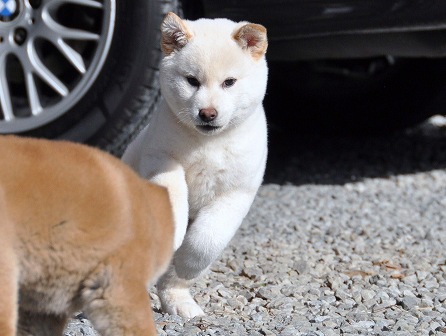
x=71 y=55
x=33 y=95
x=5 y=98
x=43 y=72
x=87 y=3
x=65 y=32
x=75 y=34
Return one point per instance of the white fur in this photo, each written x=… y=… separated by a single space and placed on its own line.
x=212 y=177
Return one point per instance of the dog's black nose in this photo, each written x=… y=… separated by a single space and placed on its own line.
x=208 y=114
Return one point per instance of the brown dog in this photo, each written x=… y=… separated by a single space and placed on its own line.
x=78 y=231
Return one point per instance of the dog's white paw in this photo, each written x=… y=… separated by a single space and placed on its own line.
x=179 y=302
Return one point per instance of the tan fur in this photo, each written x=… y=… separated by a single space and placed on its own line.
x=79 y=231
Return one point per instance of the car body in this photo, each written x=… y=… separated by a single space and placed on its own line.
x=86 y=70
x=315 y=29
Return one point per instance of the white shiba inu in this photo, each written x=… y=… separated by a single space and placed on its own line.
x=207 y=143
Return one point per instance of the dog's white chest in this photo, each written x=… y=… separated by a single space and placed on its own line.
x=210 y=175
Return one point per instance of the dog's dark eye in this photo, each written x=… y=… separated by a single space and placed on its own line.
x=229 y=82
x=193 y=81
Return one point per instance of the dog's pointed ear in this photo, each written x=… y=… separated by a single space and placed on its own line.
x=252 y=37
x=174 y=34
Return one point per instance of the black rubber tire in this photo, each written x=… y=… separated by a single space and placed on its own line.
x=122 y=99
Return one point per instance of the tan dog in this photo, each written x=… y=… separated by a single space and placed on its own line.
x=78 y=231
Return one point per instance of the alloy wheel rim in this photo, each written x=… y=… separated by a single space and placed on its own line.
x=51 y=52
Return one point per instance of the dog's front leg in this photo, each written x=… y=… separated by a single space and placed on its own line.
x=205 y=240
x=175 y=182
x=162 y=169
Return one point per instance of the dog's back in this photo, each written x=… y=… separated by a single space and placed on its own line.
x=85 y=231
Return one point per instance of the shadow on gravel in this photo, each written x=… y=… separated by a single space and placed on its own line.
x=297 y=158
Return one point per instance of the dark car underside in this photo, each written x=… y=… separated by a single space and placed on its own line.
x=315 y=29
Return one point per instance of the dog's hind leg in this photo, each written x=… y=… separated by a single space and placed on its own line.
x=32 y=323
x=117 y=303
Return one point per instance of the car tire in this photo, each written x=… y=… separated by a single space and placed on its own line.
x=120 y=99
x=132 y=89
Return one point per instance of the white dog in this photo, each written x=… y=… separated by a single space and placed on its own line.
x=207 y=143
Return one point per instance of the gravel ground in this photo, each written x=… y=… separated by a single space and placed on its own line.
x=346 y=237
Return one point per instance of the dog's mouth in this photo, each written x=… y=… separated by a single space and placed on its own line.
x=208 y=128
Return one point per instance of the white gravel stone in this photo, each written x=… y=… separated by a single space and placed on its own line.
x=409 y=302
x=364 y=325
x=411 y=279
x=367 y=295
